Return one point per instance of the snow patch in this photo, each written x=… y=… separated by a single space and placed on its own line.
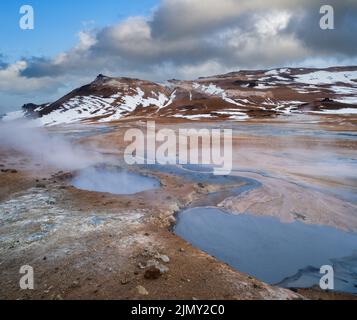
x=348 y=100
x=340 y=111
x=327 y=77
x=192 y=116
x=212 y=89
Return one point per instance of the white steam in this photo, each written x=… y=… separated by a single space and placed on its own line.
x=45 y=147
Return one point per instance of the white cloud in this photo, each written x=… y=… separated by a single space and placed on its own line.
x=272 y=23
x=190 y=38
x=11 y=79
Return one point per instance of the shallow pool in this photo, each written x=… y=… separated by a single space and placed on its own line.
x=113 y=180
x=277 y=253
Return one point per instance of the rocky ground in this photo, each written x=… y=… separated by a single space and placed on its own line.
x=89 y=245
x=84 y=245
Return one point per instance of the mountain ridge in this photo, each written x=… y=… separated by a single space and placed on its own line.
x=235 y=96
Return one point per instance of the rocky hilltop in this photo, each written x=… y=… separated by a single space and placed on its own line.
x=235 y=96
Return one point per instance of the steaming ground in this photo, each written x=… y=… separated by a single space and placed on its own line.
x=46 y=148
x=85 y=244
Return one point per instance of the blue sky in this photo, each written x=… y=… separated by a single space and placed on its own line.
x=75 y=40
x=58 y=22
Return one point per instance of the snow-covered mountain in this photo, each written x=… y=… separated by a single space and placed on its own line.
x=235 y=96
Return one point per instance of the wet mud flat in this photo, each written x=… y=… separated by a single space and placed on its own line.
x=97 y=245
x=315 y=166
x=285 y=254
x=89 y=244
x=215 y=188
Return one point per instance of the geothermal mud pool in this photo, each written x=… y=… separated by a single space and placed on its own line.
x=270 y=250
x=90 y=227
x=113 y=180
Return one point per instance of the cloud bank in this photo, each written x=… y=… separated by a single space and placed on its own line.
x=191 y=38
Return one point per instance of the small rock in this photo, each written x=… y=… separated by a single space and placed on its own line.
x=51 y=202
x=152 y=273
x=255 y=286
x=40 y=185
x=171 y=220
x=142 y=290
x=163 y=258
x=75 y=284
x=152 y=263
x=182 y=250
x=124 y=281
